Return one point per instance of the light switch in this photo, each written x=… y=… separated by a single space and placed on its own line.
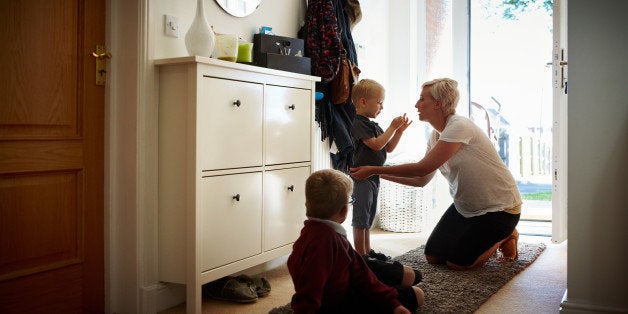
x=171 y=25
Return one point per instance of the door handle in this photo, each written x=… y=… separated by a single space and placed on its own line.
x=102 y=55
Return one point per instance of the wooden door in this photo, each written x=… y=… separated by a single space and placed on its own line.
x=51 y=157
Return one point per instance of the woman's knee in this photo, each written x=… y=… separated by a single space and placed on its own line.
x=453 y=266
x=478 y=261
x=431 y=259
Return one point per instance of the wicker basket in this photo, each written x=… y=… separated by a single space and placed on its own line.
x=401 y=208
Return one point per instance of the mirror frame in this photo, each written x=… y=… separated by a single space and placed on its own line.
x=240 y=9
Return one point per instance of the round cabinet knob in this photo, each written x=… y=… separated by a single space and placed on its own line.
x=237 y=103
x=291 y=188
x=291 y=107
x=236 y=197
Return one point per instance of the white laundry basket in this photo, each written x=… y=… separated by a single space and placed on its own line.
x=402 y=208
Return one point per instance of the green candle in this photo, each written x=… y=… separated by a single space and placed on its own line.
x=245 y=52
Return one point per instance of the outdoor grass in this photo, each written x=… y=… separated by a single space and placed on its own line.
x=538 y=196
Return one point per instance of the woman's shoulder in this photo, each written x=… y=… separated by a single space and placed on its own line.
x=458 y=119
x=462 y=123
x=456 y=122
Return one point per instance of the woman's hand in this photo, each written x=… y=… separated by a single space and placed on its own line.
x=361 y=173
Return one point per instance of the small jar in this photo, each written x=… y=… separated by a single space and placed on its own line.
x=245 y=52
x=227 y=47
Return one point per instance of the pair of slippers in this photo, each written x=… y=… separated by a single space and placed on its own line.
x=241 y=289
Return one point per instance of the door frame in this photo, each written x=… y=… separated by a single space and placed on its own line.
x=130 y=163
x=559 y=127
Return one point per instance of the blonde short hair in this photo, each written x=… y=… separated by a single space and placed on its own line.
x=365 y=88
x=326 y=192
x=445 y=90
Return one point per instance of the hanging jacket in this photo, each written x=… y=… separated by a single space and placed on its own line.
x=321 y=39
x=326 y=24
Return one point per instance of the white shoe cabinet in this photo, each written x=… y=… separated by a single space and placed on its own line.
x=234 y=153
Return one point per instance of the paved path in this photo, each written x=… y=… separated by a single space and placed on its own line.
x=536 y=210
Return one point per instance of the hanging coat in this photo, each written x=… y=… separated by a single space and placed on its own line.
x=326 y=24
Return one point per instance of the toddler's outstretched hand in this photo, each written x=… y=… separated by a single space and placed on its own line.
x=406 y=123
x=397 y=122
x=401 y=123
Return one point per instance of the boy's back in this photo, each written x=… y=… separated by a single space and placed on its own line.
x=329 y=276
x=324 y=266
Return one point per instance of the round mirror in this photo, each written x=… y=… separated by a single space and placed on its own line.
x=239 y=8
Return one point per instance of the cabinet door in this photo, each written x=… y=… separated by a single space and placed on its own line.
x=231 y=218
x=284 y=205
x=229 y=124
x=287 y=124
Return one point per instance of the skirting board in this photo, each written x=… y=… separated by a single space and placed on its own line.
x=577 y=306
x=163 y=296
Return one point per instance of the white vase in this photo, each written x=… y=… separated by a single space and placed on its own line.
x=200 y=39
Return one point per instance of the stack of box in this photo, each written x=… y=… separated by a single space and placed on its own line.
x=280 y=53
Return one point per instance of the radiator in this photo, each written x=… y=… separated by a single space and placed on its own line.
x=320 y=150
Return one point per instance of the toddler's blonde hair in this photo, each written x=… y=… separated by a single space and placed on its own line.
x=365 y=88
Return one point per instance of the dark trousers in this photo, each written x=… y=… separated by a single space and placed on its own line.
x=389 y=273
x=461 y=240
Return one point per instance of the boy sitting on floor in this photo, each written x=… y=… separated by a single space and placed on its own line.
x=329 y=276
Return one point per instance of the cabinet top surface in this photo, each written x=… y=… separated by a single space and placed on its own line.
x=232 y=65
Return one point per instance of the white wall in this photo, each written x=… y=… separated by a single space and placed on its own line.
x=284 y=16
x=597 y=275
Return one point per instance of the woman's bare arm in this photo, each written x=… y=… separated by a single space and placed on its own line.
x=435 y=158
x=411 y=181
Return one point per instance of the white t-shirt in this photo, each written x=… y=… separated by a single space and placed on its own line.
x=479 y=181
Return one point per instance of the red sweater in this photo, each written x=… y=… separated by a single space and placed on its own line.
x=323 y=265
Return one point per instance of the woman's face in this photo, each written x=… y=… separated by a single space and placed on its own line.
x=426 y=105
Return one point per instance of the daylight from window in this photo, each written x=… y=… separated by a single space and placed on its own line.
x=511 y=92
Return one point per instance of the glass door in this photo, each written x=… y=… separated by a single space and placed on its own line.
x=511 y=96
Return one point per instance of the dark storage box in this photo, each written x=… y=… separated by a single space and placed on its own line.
x=267 y=52
x=263 y=43
x=286 y=63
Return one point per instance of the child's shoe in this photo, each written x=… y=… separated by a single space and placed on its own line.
x=379 y=256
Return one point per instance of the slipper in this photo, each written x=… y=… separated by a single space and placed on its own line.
x=260 y=285
x=230 y=289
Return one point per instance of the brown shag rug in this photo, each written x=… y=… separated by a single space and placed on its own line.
x=450 y=291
